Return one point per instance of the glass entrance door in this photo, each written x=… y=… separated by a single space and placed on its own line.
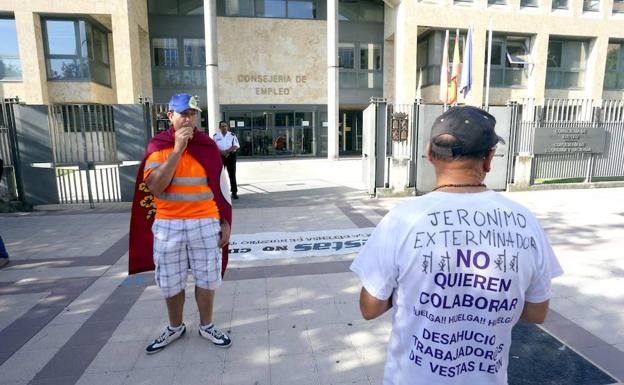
x=350 y=132
x=303 y=133
x=240 y=124
x=277 y=133
x=261 y=134
x=283 y=140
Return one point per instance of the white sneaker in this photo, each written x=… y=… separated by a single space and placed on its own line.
x=167 y=337
x=217 y=337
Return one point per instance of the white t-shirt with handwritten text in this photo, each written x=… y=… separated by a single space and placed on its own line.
x=459 y=268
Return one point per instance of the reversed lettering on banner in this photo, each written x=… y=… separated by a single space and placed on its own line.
x=297 y=244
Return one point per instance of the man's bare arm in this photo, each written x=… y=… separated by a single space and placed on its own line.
x=372 y=307
x=535 y=312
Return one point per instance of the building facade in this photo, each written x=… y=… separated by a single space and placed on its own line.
x=268 y=67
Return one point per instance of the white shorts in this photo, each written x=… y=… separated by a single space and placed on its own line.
x=179 y=243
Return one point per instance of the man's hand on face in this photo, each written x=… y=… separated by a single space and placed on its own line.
x=182 y=136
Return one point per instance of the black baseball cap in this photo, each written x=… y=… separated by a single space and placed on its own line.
x=471 y=126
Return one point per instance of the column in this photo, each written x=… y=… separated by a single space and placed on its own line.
x=536 y=87
x=332 y=79
x=595 y=68
x=212 y=65
x=406 y=77
x=127 y=51
x=34 y=77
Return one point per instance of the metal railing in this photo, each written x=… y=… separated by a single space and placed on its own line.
x=84 y=153
x=611 y=162
x=572 y=113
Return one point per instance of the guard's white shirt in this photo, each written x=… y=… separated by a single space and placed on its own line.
x=225 y=141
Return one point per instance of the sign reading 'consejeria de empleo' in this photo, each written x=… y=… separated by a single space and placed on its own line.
x=272 y=84
x=569 y=140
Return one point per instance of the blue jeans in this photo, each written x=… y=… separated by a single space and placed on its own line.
x=3 y=252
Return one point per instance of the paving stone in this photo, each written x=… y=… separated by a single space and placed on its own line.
x=289 y=342
x=246 y=373
x=294 y=369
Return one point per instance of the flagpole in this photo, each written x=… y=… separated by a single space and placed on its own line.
x=489 y=65
x=458 y=64
x=466 y=71
x=443 y=95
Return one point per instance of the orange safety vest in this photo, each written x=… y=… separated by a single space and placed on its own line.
x=188 y=196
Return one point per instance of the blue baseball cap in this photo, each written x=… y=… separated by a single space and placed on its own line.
x=182 y=102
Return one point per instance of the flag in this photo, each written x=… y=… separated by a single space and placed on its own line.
x=466 y=80
x=455 y=71
x=444 y=71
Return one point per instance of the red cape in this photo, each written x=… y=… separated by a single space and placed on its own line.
x=206 y=152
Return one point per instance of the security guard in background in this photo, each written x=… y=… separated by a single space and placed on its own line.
x=228 y=145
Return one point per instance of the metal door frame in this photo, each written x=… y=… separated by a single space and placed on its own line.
x=13 y=178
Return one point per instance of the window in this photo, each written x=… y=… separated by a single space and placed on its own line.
x=194 y=53
x=428 y=68
x=363 y=73
x=291 y=9
x=429 y=55
x=271 y=8
x=76 y=49
x=528 y=3
x=370 y=56
x=510 y=61
x=100 y=65
x=591 y=5
x=346 y=54
x=301 y=9
x=560 y=4
x=497 y=2
x=361 y=11
x=165 y=52
x=178 y=61
x=553 y=57
x=10 y=65
x=195 y=58
x=614 y=68
x=176 y=7
x=565 y=64
x=618 y=6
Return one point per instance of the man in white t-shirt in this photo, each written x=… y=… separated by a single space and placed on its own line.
x=228 y=145
x=460 y=266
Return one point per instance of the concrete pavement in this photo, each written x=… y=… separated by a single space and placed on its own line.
x=69 y=314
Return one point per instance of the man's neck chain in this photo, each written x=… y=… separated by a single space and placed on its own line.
x=459 y=185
